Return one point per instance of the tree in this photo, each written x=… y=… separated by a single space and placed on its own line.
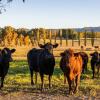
x=70 y=32
x=21 y=40
x=79 y=41
x=60 y=37
x=92 y=37
x=10 y=0
x=44 y=36
x=85 y=36
x=38 y=36
x=8 y=35
x=3 y=4
x=70 y=35
x=26 y=40
x=14 y=39
x=50 y=36
x=1 y=32
x=55 y=33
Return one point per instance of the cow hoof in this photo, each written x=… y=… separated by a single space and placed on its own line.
x=1 y=87
x=70 y=93
x=42 y=89
x=50 y=86
x=75 y=92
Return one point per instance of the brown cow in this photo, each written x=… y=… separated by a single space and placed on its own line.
x=71 y=65
x=84 y=63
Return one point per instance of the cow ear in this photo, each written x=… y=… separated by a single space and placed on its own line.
x=91 y=54
x=55 y=45
x=13 y=50
x=62 y=54
x=41 y=46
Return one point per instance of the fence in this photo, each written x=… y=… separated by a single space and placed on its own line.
x=57 y=37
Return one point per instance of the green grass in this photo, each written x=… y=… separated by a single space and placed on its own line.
x=18 y=79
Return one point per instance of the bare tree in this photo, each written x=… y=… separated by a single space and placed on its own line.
x=3 y=4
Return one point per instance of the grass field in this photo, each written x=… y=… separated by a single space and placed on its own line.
x=17 y=85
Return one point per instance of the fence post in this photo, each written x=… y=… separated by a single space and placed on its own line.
x=66 y=38
x=50 y=36
x=44 y=36
x=79 y=38
x=72 y=39
x=55 y=36
x=60 y=37
x=38 y=36
x=92 y=38
x=85 y=33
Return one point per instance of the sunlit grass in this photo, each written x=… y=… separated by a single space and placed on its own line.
x=18 y=79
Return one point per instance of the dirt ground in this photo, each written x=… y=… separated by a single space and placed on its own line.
x=38 y=95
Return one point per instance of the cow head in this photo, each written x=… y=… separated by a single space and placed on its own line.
x=67 y=53
x=48 y=47
x=95 y=55
x=6 y=54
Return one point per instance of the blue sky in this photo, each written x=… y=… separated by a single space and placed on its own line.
x=51 y=14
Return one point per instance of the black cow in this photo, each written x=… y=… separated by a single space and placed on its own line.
x=42 y=61
x=94 y=61
x=98 y=65
x=85 y=61
x=5 y=58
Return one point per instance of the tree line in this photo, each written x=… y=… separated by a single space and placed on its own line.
x=10 y=36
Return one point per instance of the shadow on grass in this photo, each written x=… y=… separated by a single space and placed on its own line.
x=18 y=67
x=55 y=90
x=21 y=68
x=57 y=71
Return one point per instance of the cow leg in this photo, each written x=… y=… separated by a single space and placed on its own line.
x=93 y=72
x=49 y=81
x=86 y=67
x=73 y=82
x=35 y=77
x=2 y=80
x=31 y=71
x=93 y=69
x=98 y=71
x=77 y=80
x=64 y=78
x=69 y=83
x=42 y=80
x=83 y=67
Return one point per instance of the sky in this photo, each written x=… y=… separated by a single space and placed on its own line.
x=51 y=14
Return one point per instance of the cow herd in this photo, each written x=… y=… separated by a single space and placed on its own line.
x=42 y=61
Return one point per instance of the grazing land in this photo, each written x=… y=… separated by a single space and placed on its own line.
x=17 y=85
